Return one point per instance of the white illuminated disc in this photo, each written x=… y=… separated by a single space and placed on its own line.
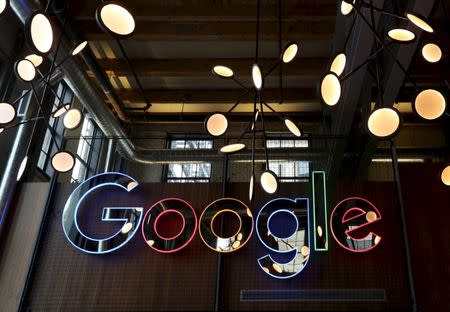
x=319 y=231
x=338 y=64
x=402 y=35
x=2 y=129
x=346 y=8
x=35 y=59
x=23 y=166
x=63 y=161
x=7 y=113
x=41 y=33
x=61 y=111
x=216 y=124
x=330 y=89
x=251 y=188
x=25 y=70
x=383 y=122
x=223 y=71
x=419 y=22
x=232 y=148
x=127 y=227
x=290 y=52
x=269 y=182
x=292 y=127
x=3 y=4
x=257 y=76
x=445 y=176
x=432 y=53
x=430 y=104
x=79 y=48
x=117 y=19
x=72 y=119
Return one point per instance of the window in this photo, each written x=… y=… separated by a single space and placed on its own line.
x=87 y=151
x=49 y=147
x=195 y=172
x=289 y=170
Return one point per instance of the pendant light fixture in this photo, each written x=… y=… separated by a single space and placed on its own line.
x=3 y=5
x=63 y=161
x=115 y=19
x=330 y=89
x=232 y=148
x=257 y=77
x=25 y=70
x=346 y=7
x=419 y=21
x=269 y=181
x=216 y=124
x=429 y=104
x=78 y=48
x=401 y=35
x=39 y=32
x=384 y=123
x=432 y=53
x=251 y=188
x=338 y=64
x=7 y=113
x=61 y=111
x=293 y=127
x=223 y=72
x=72 y=119
x=22 y=167
x=289 y=52
x=35 y=59
x=445 y=176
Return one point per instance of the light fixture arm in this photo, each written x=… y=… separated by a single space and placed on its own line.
x=266 y=153
x=280 y=77
x=369 y=59
x=374 y=8
x=243 y=97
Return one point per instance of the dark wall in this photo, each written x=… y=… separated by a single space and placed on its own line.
x=137 y=278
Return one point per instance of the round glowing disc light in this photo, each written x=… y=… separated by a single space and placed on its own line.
x=269 y=181
x=347 y=7
x=330 y=89
x=23 y=166
x=232 y=148
x=289 y=52
x=61 y=111
x=384 y=123
x=419 y=22
x=257 y=77
x=63 y=161
x=429 y=104
x=445 y=176
x=25 y=70
x=251 y=188
x=3 y=5
x=216 y=124
x=79 y=48
x=223 y=71
x=338 y=64
x=39 y=31
x=293 y=127
x=72 y=119
x=115 y=19
x=401 y=35
x=7 y=113
x=432 y=53
x=35 y=59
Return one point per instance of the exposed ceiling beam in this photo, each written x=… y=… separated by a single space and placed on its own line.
x=202 y=67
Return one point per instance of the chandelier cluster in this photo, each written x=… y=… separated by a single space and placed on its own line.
x=40 y=36
x=216 y=124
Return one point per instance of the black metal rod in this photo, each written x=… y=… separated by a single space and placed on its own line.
x=274 y=66
x=280 y=77
x=133 y=71
x=377 y=62
x=253 y=151
x=391 y=54
x=266 y=153
x=347 y=39
x=372 y=7
x=243 y=97
x=240 y=84
x=51 y=88
x=258 y=5
x=398 y=186
x=369 y=59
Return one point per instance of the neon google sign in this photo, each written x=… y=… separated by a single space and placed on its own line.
x=350 y=216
